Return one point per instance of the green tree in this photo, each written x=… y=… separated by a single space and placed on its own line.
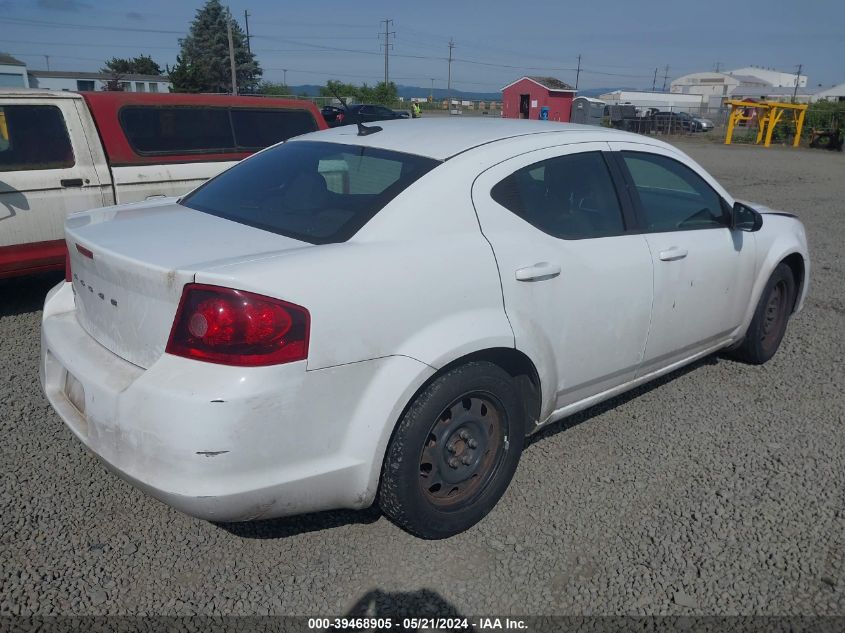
x=334 y=88
x=271 y=88
x=140 y=65
x=203 y=62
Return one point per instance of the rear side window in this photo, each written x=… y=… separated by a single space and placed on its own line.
x=33 y=137
x=310 y=191
x=209 y=130
x=256 y=129
x=571 y=197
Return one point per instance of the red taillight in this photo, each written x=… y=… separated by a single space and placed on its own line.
x=67 y=267
x=235 y=327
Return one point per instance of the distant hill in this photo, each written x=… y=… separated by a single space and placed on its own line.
x=408 y=92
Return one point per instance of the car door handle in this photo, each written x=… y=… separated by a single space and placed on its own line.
x=538 y=272
x=71 y=182
x=673 y=254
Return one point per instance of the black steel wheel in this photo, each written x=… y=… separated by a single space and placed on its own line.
x=771 y=317
x=454 y=451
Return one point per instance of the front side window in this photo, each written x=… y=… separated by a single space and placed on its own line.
x=311 y=191
x=672 y=196
x=570 y=197
x=33 y=137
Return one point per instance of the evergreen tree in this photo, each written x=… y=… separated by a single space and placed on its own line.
x=203 y=62
x=140 y=65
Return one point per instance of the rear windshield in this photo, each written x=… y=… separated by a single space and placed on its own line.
x=310 y=191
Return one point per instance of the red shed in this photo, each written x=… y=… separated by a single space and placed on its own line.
x=531 y=97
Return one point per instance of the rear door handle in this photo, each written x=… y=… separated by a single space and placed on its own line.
x=673 y=254
x=538 y=272
x=71 y=182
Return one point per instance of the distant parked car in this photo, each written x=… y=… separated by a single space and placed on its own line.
x=680 y=122
x=705 y=125
x=333 y=115
x=367 y=113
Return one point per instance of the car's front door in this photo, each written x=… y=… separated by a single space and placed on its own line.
x=703 y=270
x=576 y=280
x=46 y=172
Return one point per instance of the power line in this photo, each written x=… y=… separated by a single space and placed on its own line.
x=449 y=82
x=578 y=73
x=246 y=26
x=387 y=45
x=797 y=81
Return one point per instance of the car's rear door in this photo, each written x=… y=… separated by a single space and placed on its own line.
x=703 y=270
x=576 y=279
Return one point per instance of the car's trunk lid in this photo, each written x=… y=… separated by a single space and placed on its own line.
x=129 y=265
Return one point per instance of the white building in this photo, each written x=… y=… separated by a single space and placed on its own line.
x=716 y=87
x=12 y=72
x=662 y=100
x=85 y=81
x=773 y=77
x=834 y=93
x=784 y=93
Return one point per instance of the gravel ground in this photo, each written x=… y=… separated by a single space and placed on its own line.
x=718 y=490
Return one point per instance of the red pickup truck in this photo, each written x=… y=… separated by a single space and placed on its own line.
x=62 y=152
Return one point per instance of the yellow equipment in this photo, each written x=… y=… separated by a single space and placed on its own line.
x=768 y=113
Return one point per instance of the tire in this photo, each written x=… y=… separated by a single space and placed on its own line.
x=771 y=316
x=454 y=452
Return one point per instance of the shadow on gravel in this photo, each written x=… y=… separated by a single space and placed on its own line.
x=26 y=294
x=421 y=604
x=291 y=526
x=607 y=405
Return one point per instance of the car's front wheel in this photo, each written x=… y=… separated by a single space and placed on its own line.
x=454 y=451
x=771 y=316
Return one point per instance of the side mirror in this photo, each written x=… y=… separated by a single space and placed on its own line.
x=744 y=218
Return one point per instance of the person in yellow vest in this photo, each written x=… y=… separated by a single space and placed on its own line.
x=415 y=110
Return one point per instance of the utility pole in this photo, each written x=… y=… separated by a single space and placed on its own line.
x=431 y=92
x=797 y=80
x=449 y=81
x=232 y=56
x=246 y=25
x=718 y=64
x=578 y=73
x=47 y=57
x=387 y=45
x=285 y=80
x=665 y=77
x=654 y=81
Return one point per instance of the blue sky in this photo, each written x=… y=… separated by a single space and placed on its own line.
x=621 y=43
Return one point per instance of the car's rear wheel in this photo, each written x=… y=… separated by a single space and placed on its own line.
x=771 y=316
x=454 y=452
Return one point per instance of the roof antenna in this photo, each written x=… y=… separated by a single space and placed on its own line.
x=363 y=130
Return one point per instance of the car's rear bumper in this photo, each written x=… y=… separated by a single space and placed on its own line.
x=225 y=443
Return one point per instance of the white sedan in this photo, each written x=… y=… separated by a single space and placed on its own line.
x=383 y=314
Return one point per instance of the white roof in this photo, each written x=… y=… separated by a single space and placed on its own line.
x=39 y=92
x=444 y=137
